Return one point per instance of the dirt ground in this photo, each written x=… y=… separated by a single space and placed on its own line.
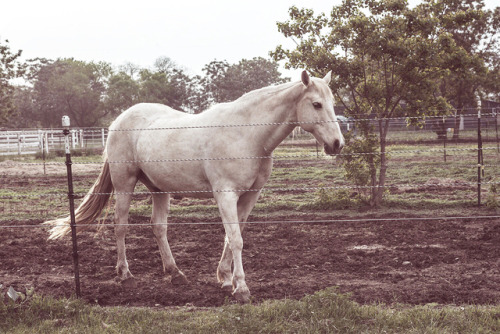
x=391 y=261
x=446 y=262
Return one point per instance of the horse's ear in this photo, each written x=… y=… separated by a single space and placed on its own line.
x=328 y=77
x=305 y=78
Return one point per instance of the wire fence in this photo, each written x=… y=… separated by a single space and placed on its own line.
x=297 y=156
x=424 y=172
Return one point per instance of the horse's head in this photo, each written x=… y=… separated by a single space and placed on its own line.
x=316 y=115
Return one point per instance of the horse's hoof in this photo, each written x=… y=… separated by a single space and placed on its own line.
x=178 y=279
x=227 y=286
x=129 y=283
x=242 y=295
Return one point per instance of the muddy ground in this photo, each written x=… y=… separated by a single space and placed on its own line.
x=415 y=262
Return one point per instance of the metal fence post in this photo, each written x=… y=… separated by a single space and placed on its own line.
x=479 y=155
x=71 y=197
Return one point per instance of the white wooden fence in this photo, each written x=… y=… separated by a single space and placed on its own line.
x=18 y=142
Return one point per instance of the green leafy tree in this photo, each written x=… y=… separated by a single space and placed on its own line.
x=70 y=87
x=166 y=83
x=382 y=54
x=10 y=68
x=25 y=112
x=198 y=95
x=473 y=66
x=122 y=92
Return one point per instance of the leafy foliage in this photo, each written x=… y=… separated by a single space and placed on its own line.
x=361 y=169
x=10 y=68
x=68 y=87
x=94 y=93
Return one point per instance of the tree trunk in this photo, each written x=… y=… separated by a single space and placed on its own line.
x=378 y=191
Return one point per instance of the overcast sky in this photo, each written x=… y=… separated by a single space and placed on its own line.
x=191 y=32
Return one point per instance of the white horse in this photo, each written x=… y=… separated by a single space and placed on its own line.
x=209 y=146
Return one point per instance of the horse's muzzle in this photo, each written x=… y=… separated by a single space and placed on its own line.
x=333 y=149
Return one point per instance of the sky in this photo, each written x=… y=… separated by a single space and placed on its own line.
x=190 y=32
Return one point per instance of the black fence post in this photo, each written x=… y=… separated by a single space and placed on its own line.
x=71 y=197
x=479 y=156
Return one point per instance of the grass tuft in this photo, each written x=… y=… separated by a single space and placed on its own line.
x=326 y=311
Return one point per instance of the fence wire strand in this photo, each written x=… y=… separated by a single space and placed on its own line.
x=264 y=222
x=316 y=156
x=265 y=190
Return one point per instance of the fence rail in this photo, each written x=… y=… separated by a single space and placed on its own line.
x=22 y=142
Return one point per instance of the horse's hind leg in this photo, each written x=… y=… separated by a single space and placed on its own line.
x=121 y=226
x=161 y=205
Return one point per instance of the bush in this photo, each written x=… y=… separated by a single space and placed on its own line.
x=338 y=199
x=492 y=198
x=360 y=162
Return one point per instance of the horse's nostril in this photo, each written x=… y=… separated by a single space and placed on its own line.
x=336 y=145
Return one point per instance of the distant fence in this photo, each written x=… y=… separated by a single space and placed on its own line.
x=19 y=142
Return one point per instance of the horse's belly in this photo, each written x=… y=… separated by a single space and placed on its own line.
x=182 y=178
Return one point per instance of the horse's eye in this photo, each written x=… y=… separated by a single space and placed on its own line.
x=317 y=105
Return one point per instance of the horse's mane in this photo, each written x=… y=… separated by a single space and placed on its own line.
x=269 y=90
x=259 y=95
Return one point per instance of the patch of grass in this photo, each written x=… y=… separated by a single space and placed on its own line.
x=326 y=311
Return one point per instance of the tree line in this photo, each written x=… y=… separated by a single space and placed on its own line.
x=94 y=93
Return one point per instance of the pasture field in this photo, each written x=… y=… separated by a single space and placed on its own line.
x=428 y=246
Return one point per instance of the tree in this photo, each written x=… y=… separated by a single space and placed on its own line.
x=73 y=88
x=473 y=68
x=387 y=56
x=198 y=95
x=122 y=93
x=166 y=84
x=25 y=113
x=225 y=82
x=10 y=68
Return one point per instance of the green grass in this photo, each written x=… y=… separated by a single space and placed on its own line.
x=326 y=311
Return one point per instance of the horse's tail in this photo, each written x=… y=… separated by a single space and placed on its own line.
x=90 y=209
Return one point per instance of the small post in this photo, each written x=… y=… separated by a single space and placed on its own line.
x=19 y=140
x=103 y=142
x=444 y=138
x=71 y=197
x=43 y=153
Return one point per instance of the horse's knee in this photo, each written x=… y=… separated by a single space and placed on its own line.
x=159 y=230
x=236 y=243
x=120 y=230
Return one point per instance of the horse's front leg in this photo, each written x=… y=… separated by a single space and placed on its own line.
x=246 y=203
x=227 y=203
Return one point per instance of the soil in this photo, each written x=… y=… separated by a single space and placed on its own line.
x=389 y=261
x=445 y=262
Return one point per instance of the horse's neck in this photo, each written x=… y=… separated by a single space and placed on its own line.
x=274 y=115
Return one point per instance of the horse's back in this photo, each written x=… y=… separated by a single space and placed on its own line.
x=143 y=115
